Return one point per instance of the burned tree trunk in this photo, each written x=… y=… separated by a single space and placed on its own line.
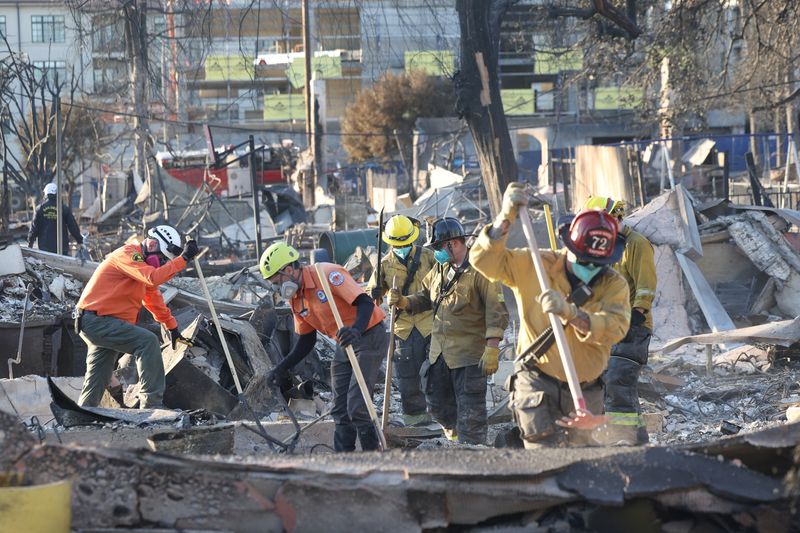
x=478 y=93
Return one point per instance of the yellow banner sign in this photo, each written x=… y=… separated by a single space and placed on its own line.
x=606 y=98
x=433 y=62
x=282 y=107
x=555 y=60
x=322 y=67
x=223 y=68
x=518 y=101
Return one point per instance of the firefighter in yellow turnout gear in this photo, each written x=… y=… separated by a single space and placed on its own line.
x=407 y=264
x=469 y=318
x=593 y=322
x=628 y=356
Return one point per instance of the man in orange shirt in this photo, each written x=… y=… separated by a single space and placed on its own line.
x=108 y=308
x=367 y=335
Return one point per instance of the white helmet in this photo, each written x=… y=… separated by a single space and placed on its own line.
x=50 y=188
x=167 y=236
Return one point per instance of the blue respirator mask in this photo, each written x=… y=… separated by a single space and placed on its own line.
x=403 y=252
x=442 y=256
x=586 y=271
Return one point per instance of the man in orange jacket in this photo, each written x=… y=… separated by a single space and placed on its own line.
x=108 y=308
x=363 y=329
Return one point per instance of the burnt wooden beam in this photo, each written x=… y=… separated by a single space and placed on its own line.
x=478 y=94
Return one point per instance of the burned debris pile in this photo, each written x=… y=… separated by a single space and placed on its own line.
x=53 y=293
x=731 y=270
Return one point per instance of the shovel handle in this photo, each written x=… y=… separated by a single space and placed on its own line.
x=214 y=317
x=387 y=384
x=351 y=355
x=555 y=321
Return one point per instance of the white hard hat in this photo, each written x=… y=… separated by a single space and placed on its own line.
x=50 y=188
x=166 y=236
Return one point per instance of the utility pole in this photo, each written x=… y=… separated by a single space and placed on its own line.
x=256 y=205
x=135 y=16
x=59 y=173
x=6 y=203
x=307 y=190
x=478 y=94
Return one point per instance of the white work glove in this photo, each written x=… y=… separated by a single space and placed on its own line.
x=516 y=196
x=396 y=299
x=554 y=302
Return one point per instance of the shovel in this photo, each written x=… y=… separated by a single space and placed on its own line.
x=387 y=384
x=261 y=431
x=581 y=418
x=351 y=355
x=18 y=360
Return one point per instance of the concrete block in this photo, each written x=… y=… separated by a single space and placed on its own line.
x=11 y=261
x=654 y=422
x=31 y=397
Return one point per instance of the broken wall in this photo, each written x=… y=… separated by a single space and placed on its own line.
x=602 y=170
x=670 y=319
x=770 y=252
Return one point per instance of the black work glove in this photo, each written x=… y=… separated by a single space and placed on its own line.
x=276 y=376
x=375 y=293
x=637 y=317
x=175 y=337
x=191 y=250
x=347 y=336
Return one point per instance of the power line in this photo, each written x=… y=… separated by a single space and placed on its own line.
x=189 y=123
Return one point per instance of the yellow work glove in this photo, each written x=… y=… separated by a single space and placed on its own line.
x=397 y=300
x=554 y=302
x=515 y=197
x=489 y=360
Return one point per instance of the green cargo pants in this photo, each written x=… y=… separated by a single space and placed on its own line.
x=107 y=337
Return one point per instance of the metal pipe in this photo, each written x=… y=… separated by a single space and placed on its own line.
x=256 y=206
x=59 y=159
x=18 y=360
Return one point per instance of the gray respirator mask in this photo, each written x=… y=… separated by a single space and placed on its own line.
x=287 y=290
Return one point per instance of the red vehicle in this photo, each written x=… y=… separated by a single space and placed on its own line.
x=190 y=167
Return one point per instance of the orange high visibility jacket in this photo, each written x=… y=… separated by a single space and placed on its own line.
x=123 y=282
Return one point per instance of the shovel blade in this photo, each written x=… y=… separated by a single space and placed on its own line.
x=582 y=419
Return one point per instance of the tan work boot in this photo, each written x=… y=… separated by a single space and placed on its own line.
x=450 y=434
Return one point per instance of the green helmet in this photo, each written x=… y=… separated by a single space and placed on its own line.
x=277 y=256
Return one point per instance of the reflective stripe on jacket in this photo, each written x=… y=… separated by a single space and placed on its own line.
x=608 y=308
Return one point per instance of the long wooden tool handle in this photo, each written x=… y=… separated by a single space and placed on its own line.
x=550 y=231
x=217 y=325
x=351 y=355
x=387 y=382
x=555 y=321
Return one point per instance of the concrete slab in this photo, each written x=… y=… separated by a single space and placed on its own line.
x=31 y=397
x=11 y=260
x=246 y=442
x=393 y=491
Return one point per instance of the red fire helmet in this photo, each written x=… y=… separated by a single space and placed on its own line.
x=592 y=235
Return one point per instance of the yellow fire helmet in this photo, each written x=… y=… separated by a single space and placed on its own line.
x=615 y=208
x=275 y=257
x=400 y=231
